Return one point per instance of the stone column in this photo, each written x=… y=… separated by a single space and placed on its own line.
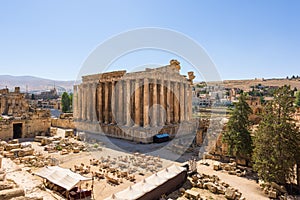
x=154 y=106
x=137 y=115
x=75 y=100
x=100 y=109
x=189 y=103
x=89 y=102
x=162 y=104
x=81 y=99
x=128 y=107
x=85 y=99
x=106 y=103
x=94 y=110
x=176 y=103
x=168 y=106
x=120 y=102
x=124 y=100
x=113 y=103
x=79 y=107
x=181 y=103
x=185 y=102
x=146 y=103
x=171 y=99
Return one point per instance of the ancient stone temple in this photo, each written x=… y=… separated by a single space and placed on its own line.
x=135 y=106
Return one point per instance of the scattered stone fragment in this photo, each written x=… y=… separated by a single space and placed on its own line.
x=272 y=194
x=216 y=166
x=10 y=193
x=230 y=193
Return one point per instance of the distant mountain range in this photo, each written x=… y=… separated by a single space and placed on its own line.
x=34 y=84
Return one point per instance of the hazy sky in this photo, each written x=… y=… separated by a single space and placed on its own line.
x=244 y=38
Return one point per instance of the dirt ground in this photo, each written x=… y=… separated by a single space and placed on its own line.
x=249 y=188
x=102 y=189
x=30 y=183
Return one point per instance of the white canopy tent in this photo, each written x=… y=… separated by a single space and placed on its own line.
x=148 y=184
x=64 y=178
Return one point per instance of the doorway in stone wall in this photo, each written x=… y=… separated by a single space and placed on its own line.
x=17 y=129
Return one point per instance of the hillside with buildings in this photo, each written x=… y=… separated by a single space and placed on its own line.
x=246 y=84
x=34 y=84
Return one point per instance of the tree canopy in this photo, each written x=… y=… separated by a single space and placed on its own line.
x=297 y=101
x=66 y=102
x=277 y=140
x=237 y=135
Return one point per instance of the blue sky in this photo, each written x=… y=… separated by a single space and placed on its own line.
x=245 y=39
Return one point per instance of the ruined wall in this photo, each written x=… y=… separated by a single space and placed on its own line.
x=6 y=129
x=38 y=123
x=63 y=123
x=13 y=103
x=18 y=120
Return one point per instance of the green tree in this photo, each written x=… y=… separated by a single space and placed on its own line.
x=237 y=135
x=65 y=102
x=71 y=101
x=262 y=99
x=297 y=101
x=276 y=144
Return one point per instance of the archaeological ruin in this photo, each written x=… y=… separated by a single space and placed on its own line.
x=137 y=105
x=18 y=119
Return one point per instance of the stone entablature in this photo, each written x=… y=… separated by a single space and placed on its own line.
x=155 y=98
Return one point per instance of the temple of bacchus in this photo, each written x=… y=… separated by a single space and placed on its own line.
x=137 y=105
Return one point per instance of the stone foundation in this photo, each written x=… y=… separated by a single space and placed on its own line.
x=137 y=134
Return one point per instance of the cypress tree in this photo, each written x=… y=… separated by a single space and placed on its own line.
x=237 y=135
x=277 y=140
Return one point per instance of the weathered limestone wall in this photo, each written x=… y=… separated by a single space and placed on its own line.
x=13 y=103
x=14 y=109
x=30 y=128
x=63 y=123
x=35 y=127
x=6 y=129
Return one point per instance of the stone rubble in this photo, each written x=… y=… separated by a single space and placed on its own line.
x=273 y=190
x=9 y=190
x=231 y=168
x=215 y=185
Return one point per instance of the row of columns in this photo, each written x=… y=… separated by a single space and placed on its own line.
x=84 y=102
x=128 y=102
